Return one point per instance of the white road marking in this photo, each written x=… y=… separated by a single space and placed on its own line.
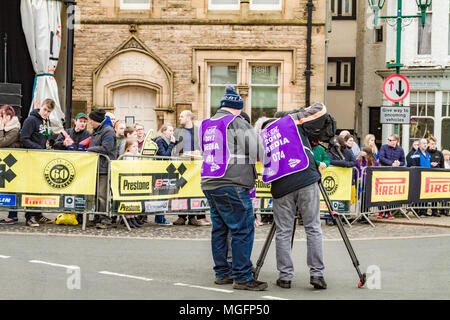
x=204 y=288
x=124 y=275
x=4 y=257
x=54 y=264
x=273 y=298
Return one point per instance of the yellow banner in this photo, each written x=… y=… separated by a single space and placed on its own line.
x=47 y=172
x=435 y=185
x=388 y=186
x=337 y=182
x=262 y=188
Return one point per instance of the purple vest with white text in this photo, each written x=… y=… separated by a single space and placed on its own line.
x=285 y=153
x=213 y=139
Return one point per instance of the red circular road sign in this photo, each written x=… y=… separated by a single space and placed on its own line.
x=396 y=88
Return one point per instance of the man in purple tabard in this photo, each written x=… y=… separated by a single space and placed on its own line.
x=290 y=168
x=230 y=150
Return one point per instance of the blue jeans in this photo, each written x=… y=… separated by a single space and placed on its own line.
x=231 y=211
x=12 y=214
x=159 y=218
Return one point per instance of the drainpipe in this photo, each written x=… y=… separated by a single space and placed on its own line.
x=327 y=42
x=308 y=72
x=69 y=67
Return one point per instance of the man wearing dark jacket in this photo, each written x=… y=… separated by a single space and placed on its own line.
x=103 y=141
x=436 y=161
x=340 y=155
x=78 y=137
x=391 y=154
x=35 y=133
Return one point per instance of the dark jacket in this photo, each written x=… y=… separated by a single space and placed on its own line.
x=165 y=146
x=388 y=155
x=103 y=141
x=77 y=137
x=33 y=130
x=349 y=160
x=408 y=157
x=9 y=136
x=436 y=156
x=301 y=179
x=416 y=160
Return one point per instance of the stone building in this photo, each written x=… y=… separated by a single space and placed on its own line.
x=147 y=60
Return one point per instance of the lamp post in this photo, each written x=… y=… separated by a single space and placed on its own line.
x=377 y=5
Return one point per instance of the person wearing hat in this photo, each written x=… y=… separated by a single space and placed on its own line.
x=76 y=138
x=230 y=148
x=103 y=141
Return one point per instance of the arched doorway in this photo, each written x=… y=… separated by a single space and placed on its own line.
x=138 y=102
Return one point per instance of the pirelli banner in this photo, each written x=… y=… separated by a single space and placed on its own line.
x=150 y=186
x=434 y=184
x=49 y=181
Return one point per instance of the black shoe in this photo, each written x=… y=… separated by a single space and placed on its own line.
x=252 y=285
x=12 y=221
x=31 y=222
x=226 y=280
x=318 y=282
x=136 y=224
x=435 y=214
x=286 y=284
x=446 y=213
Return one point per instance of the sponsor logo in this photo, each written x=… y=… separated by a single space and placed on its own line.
x=201 y=203
x=166 y=183
x=179 y=204
x=437 y=185
x=139 y=184
x=40 y=201
x=130 y=207
x=268 y=203
x=390 y=186
x=214 y=167
x=257 y=203
x=59 y=173
x=331 y=182
x=7 y=199
x=293 y=162
x=7 y=174
x=80 y=203
x=69 y=202
x=156 y=206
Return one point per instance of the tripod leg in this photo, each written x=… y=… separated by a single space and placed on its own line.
x=265 y=249
x=293 y=231
x=335 y=216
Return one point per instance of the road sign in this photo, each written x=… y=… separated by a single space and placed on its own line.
x=395 y=115
x=396 y=88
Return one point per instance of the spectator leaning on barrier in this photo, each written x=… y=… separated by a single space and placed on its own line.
x=79 y=136
x=369 y=140
x=226 y=184
x=187 y=135
x=9 y=138
x=103 y=141
x=437 y=158
x=165 y=141
x=421 y=158
x=446 y=155
x=355 y=148
x=119 y=128
x=140 y=133
x=414 y=148
x=340 y=155
x=391 y=154
x=320 y=155
x=34 y=135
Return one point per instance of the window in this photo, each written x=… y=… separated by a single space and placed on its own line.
x=422 y=115
x=223 y=4
x=424 y=36
x=379 y=34
x=219 y=77
x=135 y=4
x=341 y=73
x=264 y=89
x=265 y=4
x=445 y=142
x=343 y=9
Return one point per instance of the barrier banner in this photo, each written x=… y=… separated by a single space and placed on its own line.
x=387 y=186
x=45 y=179
x=338 y=184
x=434 y=184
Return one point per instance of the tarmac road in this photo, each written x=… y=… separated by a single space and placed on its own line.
x=77 y=267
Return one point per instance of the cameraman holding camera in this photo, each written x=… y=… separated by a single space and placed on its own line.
x=290 y=167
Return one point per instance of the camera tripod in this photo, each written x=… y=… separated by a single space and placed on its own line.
x=336 y=217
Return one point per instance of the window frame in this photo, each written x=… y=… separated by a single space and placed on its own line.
x=224 y=7
x=338 y=14
x=209 y=84
x=339 y=61
x=251 y=84
x=135 y=6
x=266 y=7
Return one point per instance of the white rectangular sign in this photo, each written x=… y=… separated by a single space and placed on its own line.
x=395 y=115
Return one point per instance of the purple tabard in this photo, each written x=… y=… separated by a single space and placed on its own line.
x=285 y=153
x=213 y=140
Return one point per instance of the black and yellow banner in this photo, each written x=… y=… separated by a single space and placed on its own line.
x=47 y=179
x=434 y=184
